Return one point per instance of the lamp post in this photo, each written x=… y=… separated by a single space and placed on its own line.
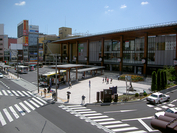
x=38 y=63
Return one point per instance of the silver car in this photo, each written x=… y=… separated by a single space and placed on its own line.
x=1 y=75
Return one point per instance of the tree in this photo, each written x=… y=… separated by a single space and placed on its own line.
x=165 y=78
x=162 y=79
x=158 y=79
x=154 y=81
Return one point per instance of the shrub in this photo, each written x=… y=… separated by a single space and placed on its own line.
x=144 y=94
x=158 y=80
x=136 y=94
x=134 y=78
x=165 y=78
x=154 y=81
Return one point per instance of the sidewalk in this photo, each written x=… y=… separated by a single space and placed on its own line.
x=80 y=88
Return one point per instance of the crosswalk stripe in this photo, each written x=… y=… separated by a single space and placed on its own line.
x=171 y=105
x=20 y=110
x=33 y=103
x=157 y=108
x=29 y=105
x=4 y=92
x=117 y=125
x=15 y=93
x=8 y=115
x=107 y=119
x=38 y=101
x=14 y=112
x=87 y=112
x=110 y=122
x=41 y=100
x=140 y=131
x=30 y=93
x=26 y=93
x=78 y=108
x=10 y=93
x=20 y=93
x=2 y=120
x=92 y=114
x=165 y=107
x=0 y=93
x=82 y=110
x=124 y=129
x=74 y=106
x=95 y=117
x=24 y=107
x=150 y=105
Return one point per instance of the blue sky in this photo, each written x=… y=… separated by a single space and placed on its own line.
x=85 y=16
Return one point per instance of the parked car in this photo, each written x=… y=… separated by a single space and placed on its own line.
x=157 y=97
x=1 y=75
x=169 y=110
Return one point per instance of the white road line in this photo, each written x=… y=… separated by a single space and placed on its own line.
x=30 y=93
x=29 y=105
x=8 y=115
x=15 y=93
x=140 y=131
x=87 y=112
x=20 y=93
x=41 y=100
x=165 y=107
x=145 y=125
x=157 y=108
x=96 y=117
x=79 y=108
x=117 y=125
x=0 y=93
x=92 y=114
x=33 y=103
x=110 y=122
x=37 y=101
x=124 y=129
x=2 y=120
x=26 y=93
x=171 y=105
x=74 y=106
x=4 y=92
x=14 y=112
x=107 y=119
x=24 y=107
x=150 y=105
x=10 y=92
x=143 y=118
x=20 y=110
x=82 y=110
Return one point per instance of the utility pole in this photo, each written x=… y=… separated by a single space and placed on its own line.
x=38 y=64
x=56 y=78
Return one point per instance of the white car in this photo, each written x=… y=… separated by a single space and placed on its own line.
x=157 y=97
x=169 y=110
x=1 y=75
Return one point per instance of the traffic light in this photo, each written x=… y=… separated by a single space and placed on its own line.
x=5 y=62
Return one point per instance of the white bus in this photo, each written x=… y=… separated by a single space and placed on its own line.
x=21 y=69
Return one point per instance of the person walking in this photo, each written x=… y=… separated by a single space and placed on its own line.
x=107 y=80
x=49 y=88
x=70 y=85
x=103 y=79
x=111 y=81
x=83 y=100
x=68 y=97
x=54 y=96
x=45 y=92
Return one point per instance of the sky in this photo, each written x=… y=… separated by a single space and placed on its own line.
x=85 y=16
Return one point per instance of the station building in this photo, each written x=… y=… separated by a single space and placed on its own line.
x=139 y=49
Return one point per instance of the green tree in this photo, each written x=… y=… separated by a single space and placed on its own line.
x=165 y=78
x=158 y=80
x=162 y=80
x=154 y=81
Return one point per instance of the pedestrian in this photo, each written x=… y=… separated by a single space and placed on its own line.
x=49 y=88
x=103 y=79
x=70 y=85
x=83 y=99
x=45 y=92
x=89 y=83
x=68 y=96
x=107 y=80
x=111 y=81
x=54 y=96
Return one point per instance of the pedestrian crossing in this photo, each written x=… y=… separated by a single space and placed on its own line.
x=103 y=122
x=162 y=106
x=9 y=114
x=16 y=93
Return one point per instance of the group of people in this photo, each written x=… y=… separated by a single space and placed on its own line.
x=106 y=80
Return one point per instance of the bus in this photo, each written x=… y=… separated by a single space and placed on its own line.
x=21 y=69
x=49 y=78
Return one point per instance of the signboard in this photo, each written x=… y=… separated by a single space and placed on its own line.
x=34 y=28
x=175 y=62
x=25 y=27
x=26 y=41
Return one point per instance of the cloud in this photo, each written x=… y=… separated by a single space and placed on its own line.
x=123 y=6
x=106 y=7
x=144 y=3
x=21 y=3
x=108 y=11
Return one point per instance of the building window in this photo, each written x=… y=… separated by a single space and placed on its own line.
x=1 y=39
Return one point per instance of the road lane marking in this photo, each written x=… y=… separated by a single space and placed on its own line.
x=20 y=93
x=10 y=93
x=124 y=129
x=33 y=103
x=140 y=131
x=122 y=111
x=37 y=101
x=0 y=93
x=78 y=108
x=171 y=105
x=110 y=122
x=41 y=100
x=165 y=107
x=8 y=115
x=2 y=120
x=92 y=114
x=14 y=112
x=157 y=108
x=4 y=92
x=24 y=107
x=150 y=105
x=20 y=110
x=117 y=125
x=145 y=125
x=96 y=117
x=29 y=105
x=142 y=118
x=74 y=106
x=107 y=119
x=26 y=93
x=87 y=112
x=30 y=93
x=15 y=93
x=82 y=110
